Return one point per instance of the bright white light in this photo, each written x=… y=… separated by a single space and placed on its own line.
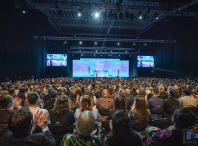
x=79 y=14
x=65 y=42
x=23 y=12
x=80 y=42
x=95 y=43
x=140 y=17
x=157 y=18
x=133 y=44
x=118 y=43
x=96 y=15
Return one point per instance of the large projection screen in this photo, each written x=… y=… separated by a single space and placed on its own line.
x=86 y=67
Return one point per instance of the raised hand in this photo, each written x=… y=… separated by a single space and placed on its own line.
x=41 y=119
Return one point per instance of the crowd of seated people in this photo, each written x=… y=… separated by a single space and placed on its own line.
x=98 y=111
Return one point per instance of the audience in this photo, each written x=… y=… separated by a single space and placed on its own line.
x=121 y=134
x=85 y=124
x=20 y=125
x=102 y=99
x=61 y=113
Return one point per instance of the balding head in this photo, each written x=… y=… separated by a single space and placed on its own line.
x=122 y=92
x=88 y=87
x=105 y=93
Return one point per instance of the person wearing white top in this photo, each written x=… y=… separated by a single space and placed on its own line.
x=33 y=99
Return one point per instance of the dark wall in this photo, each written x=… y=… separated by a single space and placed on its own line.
x=182 y=57
x=20 y=54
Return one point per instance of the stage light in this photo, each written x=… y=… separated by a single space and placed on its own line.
x=134 y=44
x=79 y=14
x=95 y=43
x=96 y=15
x=80 y=42
x=144 y=44
x=118 y=44
x=140 y=15
x=25 y=10
x=156 y=15
x=65 y=42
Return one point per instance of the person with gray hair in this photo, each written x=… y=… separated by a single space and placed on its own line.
x=85 y=124
x=129 y=95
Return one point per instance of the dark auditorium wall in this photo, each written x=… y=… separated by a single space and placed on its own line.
x=182 y=57
x=20 y=54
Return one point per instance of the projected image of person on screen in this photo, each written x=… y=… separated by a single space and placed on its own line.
x=51 y=61
x=141 y=62
x=61 y=59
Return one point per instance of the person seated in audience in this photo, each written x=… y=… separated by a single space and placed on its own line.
x=4 y=92
x=121 y=134
x=155 y=102
x=48 y=96
x=8 y=105
x=99 y=93
x=16 y=88
x=86 y=104
x=128 y=101
x=184 y=120
x=119 y=104
x=85 y=124
x=61 y=112
x=170 y=102
x=187 y=100
x=63 y=91
x=91 y=94
x=20 y=125
x=104 y=103
x=33 y=99
x=162 y=93
x=68 y=91
x=111 y=93
x=12 y=93
x=128 y=94
x=50 y=103
x=139 y=110
x=73 y=102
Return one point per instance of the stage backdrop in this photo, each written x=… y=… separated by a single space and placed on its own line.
x=87 y=67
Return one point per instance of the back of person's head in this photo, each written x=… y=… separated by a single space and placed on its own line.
x=183 y=118
x=161 y=88
x=78 y=91
x=120 y=103
x=73 y=98
x=85 y=123
x=122 y=92
x=32 y=98
x=111 y=90
x=187 y=92
x=22 y=90
x=11 y=91
x=61 y=105
x=142 y=91
x=127 y=91
x=20 y=122
x=63 y=90
x=172 y=93
x=53 y=94
x=6 y=101
x=4 y=92
x=86 y=103
x=90 y=93
x=155 y=91
x=121 y=133
x=49 y=90
x=4 y=87
x=104 y=92
x=141 y=109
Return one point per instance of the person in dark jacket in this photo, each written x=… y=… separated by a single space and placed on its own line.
x=50 y=103
x=20 y=125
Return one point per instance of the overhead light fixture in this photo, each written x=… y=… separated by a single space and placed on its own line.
x=118 y=43
x=80 y=42
x=25 y=10
x=140 y=15
x=95 y=43
x=96 y=15
x=79 y=14
x=156 y=16
x=65 y=42
x=134 y=44
x=144 y=44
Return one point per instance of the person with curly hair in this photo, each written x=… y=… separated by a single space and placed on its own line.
x=61 y=112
